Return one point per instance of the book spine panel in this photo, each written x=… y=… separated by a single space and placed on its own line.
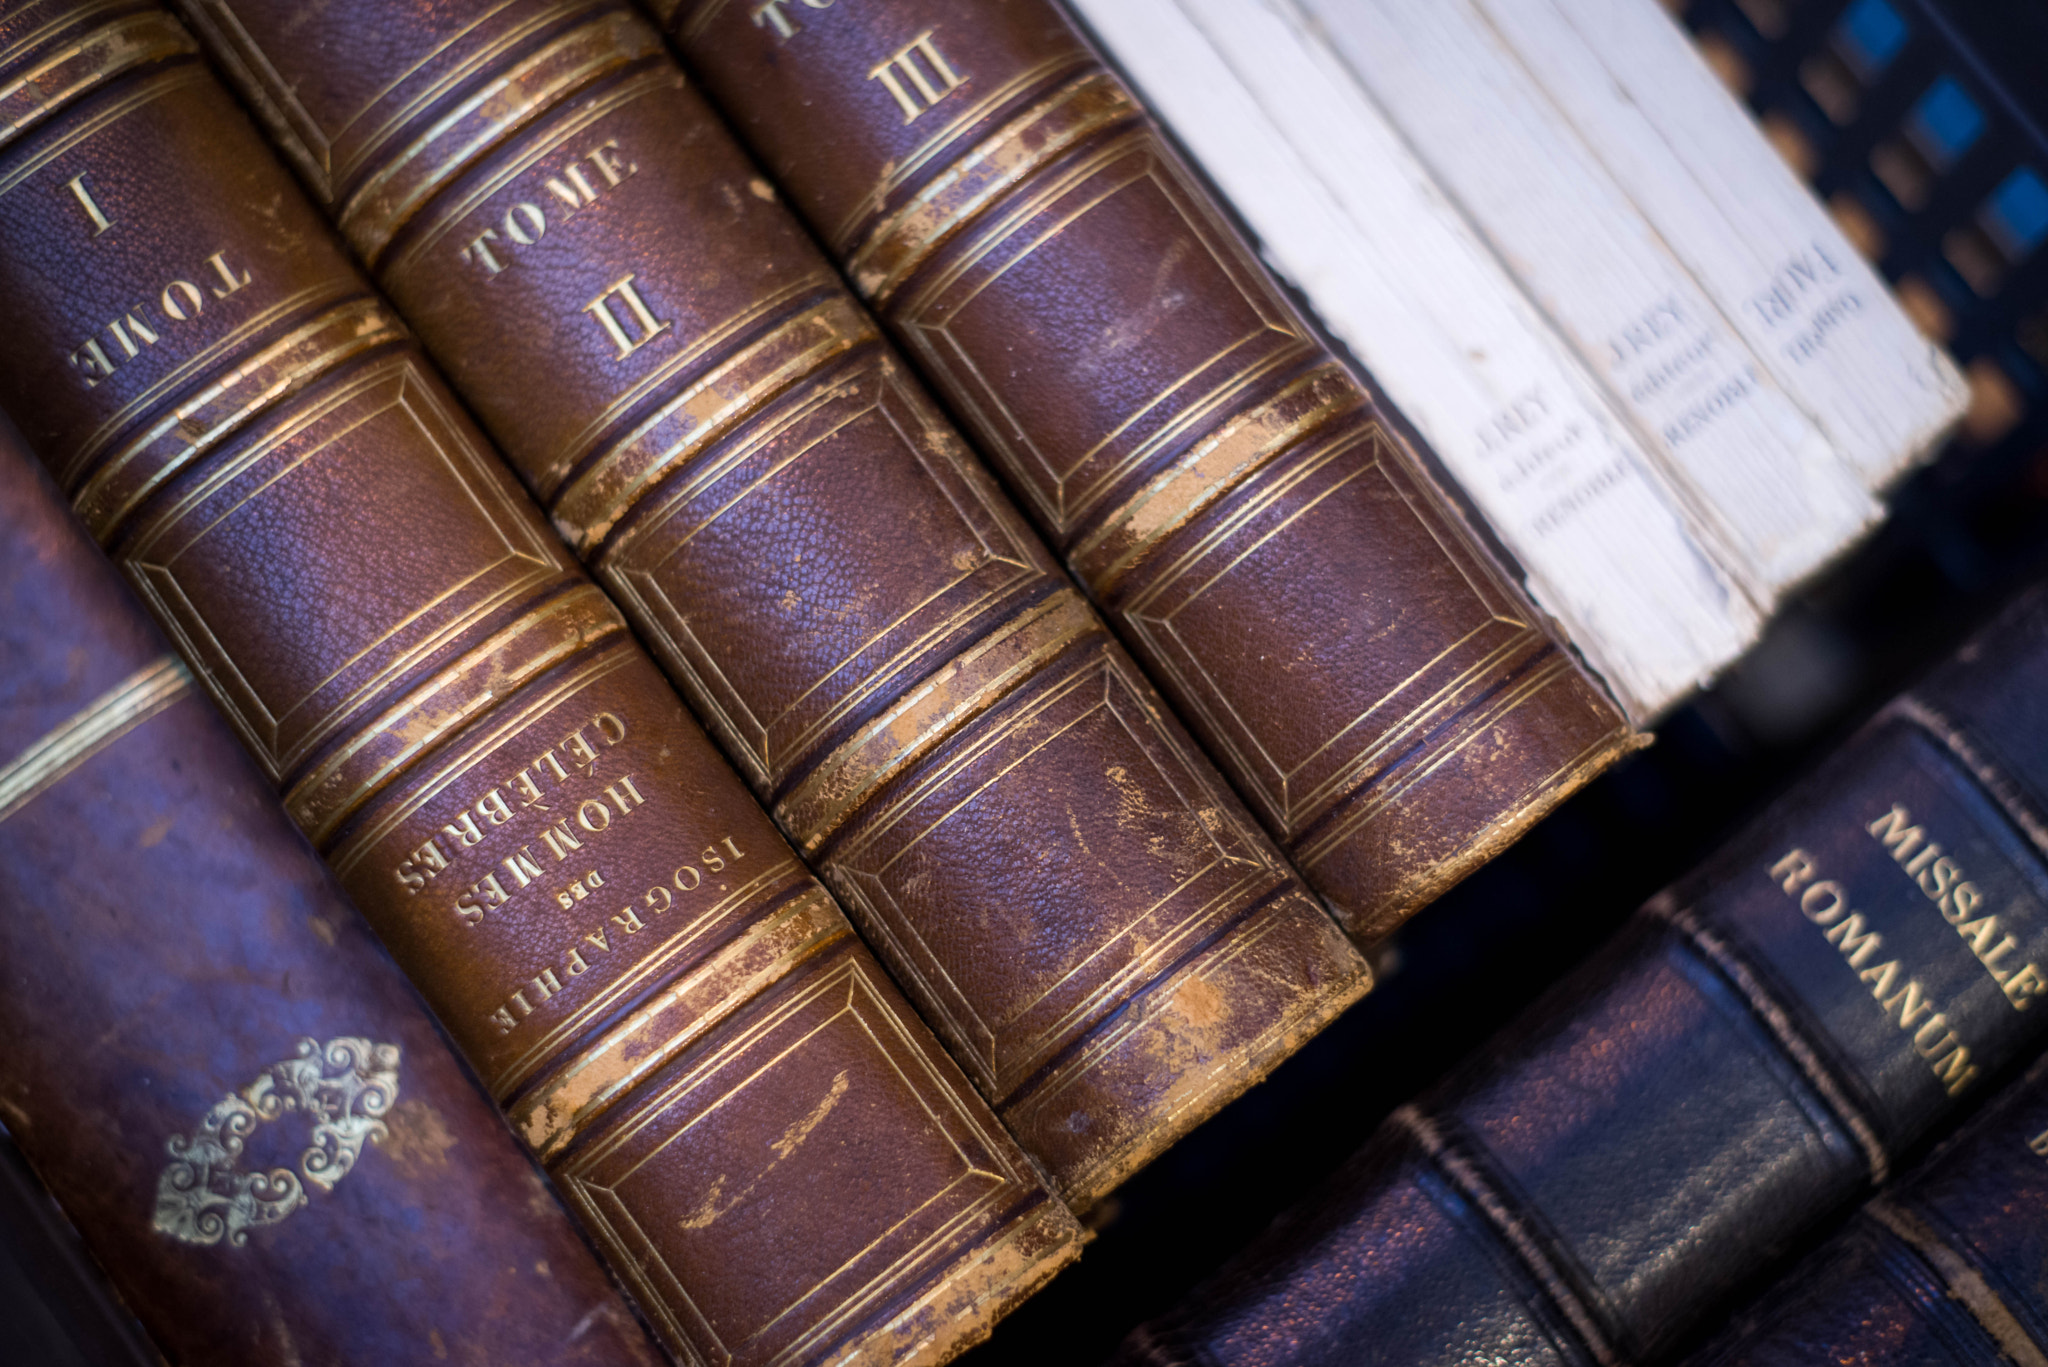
x=1691 y=1103
x=1343 y=209
x=1874 y=1300
x=939 y=721
x=1387 y=1252
x=1946 y=1265
x=189 y=991
x=1208 y=471
x=597 y=910
x=1877 y=1012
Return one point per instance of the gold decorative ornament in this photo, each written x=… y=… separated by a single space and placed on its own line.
x=346 y=1086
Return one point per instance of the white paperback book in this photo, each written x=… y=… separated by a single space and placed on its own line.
x=1776 y=495
x=1630 y=563
x=1687 y=154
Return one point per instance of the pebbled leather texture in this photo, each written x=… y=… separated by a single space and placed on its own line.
x=172 y=938
x=1949 y=1266
x=1071 y=894
x=1373 y=682
x=1754 y=1050
x=602 y=917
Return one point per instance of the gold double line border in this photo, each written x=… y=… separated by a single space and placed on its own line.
x=1036 y=137
x=701 y=415
x=500 y=108
x=687 y=1010
x=918 y=721
x=496 y=669
x=103 y=53
x=101 y=722
x=1215 y=465
x=192 y=428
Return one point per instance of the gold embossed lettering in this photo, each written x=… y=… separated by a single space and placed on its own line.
x=493 y=808
x=769 y=15
x=1793 y=870
x=135 y=328
x=143 y=332
x=181 y=300
x=631 y=313
x=477 y=252
x=560 y=840
x=91 y=362
x=920 y=62
x=417 y=869
x=527 y=791
x=1899 y=996
x=230 y=280
x=592 y=815
x=1943 y=881
x=100 y=221
x=2039 y=1143
x=571 y=187
x=522 y=865
x=463 y=830
x=525 y=224
x=1854 y=939
x=613 y=167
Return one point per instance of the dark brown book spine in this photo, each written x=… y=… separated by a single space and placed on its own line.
x=1069 y=891
x=677 y=1017
x=230 y=1090
x=1393 y=707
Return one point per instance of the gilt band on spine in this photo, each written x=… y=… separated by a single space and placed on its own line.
x=554 y=852
x=847 y=599
x=1225 y=490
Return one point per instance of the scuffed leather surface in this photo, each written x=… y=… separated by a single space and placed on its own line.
x=1870 y=1295
x=343 y=550
x=1092 y=323
x=1685 y=1108
x=1077 y=901
x=1985 y=1195
x=1386 y=1265
x=1864 y=1300
x=169 y=936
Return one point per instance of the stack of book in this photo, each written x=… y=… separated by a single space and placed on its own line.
x=874 y=667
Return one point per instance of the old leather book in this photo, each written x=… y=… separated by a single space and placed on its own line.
x=1762 y=1042
x=768 y=1146
x=1358 y=664
x=1069 y=892
x=1948 y=1269
x=237 y=1100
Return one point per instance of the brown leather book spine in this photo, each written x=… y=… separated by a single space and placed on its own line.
x=1381 y=691
x=239 y=1103
x=678 y=1019
x=1067 y=889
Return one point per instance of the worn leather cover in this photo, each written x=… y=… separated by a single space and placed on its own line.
x=1757 y=1047
x=1381 y=692
x=1949 y=1267
x=1097 y=927
x=678 y=1019
x=236 y=1098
